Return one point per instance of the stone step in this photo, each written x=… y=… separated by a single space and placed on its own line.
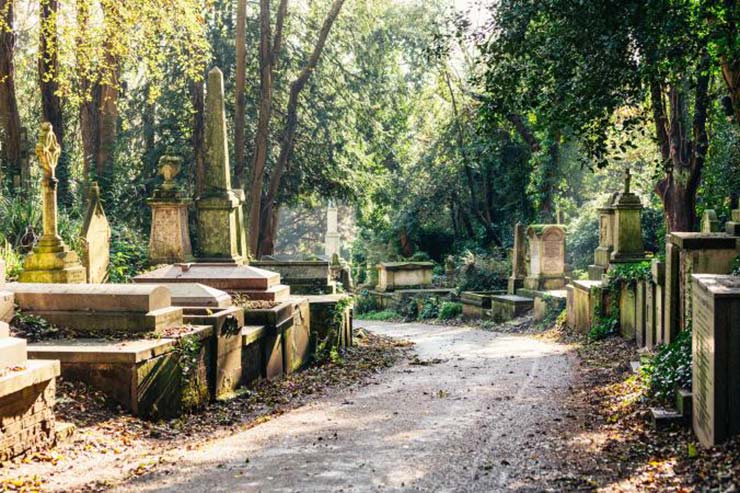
x=663 y=418
x=12 y=352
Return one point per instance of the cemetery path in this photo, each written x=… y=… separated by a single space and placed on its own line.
x=473 y=411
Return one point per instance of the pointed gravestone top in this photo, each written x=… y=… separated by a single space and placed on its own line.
x=218 y=173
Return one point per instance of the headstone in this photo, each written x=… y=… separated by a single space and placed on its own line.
x=546 y=257
x=96 y=239
x=518 y=259
x=687 y=254
x=627 y=233
x=332 y=245
x=716 y=358
x=709 y=222
x=218 y=206
x=603 y=252
x=51 y=260
x=169 y=239
x=732 y=227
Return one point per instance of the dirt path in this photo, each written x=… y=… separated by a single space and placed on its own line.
x=471 y=413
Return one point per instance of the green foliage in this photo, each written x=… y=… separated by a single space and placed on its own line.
x=129 y=255
x=429 y=308
x=327 y=349
x=670 y=370
x=381 y=316
x=365 y=303
x=450 y=310
x=408 y=309
x=583 y=238
x=628 y=273
x=34 y=328
x=188 y=351
x=483 y=272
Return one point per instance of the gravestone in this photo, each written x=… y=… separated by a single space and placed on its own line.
x=96 y=239
x=603 y=252
x=51 y=260
x=218 y=206
x=546 y=257
x=627 y=233
x=716 y=358
x=687 y=254
x=169 y=239
x=732 y=227
x=709 y=222
x=332 y=246
x=518 y=259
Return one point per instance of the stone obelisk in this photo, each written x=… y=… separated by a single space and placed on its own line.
x=218 y=206
x=51 y=260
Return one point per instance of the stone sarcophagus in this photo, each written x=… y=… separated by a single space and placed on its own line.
x=404 y=275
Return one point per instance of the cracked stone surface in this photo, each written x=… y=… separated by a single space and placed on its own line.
x=474 y=411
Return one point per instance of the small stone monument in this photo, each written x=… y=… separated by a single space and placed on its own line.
x=218 y=207
x=96 y=239
x=518 y=259
x=716 y=358
x=332 y=245
x=51 y=260
x=169 y=239
x=627 y=232
x=546 y=257
x=603 y=252
x=732 y=227
x=709 y=222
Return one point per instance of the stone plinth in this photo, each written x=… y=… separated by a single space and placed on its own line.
x=602 y=254
x=325 y=324
x=585 y=299
x=144 y=375
x=404 y=275
x=303 y=277
x=477 y=304
x=95 y=237
x=100 y=309
x=627 y=233
x=710 y=222
x=732 y=227
x=169 y=239
x=546 y=257
x=518 y=259
x=716 y=357
x=251 y=282
x=687 y=254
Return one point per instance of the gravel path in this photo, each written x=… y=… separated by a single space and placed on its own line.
x=476 y=411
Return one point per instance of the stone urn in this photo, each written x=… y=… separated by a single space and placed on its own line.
x=169 y=168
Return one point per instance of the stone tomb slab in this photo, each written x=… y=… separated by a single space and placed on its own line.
x=586 y=295
x=143 y=375
x=506 y=307
x=12 y=352
x=716 y=357
x=100 y=309
x=322 y=318
x=257 y=284
x=404 y=275
x=262 y=353
x=303 y=277
x=200 y=295
x=477 y=304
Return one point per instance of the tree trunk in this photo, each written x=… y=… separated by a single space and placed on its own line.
x=683 y=150
x=239 y=96
x=291 y=124
x=10 y=123
x=197 y=98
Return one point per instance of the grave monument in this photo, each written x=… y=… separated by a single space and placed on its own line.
x=627 y=232
x=51 y=260
x=332 y=245
x=518 y=259
x=96 y=239
x=546 y=257
x=169 y=240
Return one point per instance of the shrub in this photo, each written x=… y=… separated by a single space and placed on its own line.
x=670 y=369
x=483 y=272
x=450 y=310
x=364 y=303
x=379 y=316
x=408 y=309
x=129 y=255
x=429 y=308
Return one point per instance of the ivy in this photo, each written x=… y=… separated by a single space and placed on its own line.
x=327 y=349
x=670 y=369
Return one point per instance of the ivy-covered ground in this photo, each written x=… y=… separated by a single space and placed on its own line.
x=109 y=446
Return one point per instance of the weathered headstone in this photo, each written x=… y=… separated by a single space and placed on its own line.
x=518 y=259
x=51 y=260
x=709 y=222
x=603 y=252
x=332 y=245
x=169 y=240
x=687 y=254
x=716 y=358
x=546 y=257
x=96 y=239
x=218 y=206
x=627 y=233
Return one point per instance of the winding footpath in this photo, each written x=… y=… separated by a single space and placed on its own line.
x=472 y=412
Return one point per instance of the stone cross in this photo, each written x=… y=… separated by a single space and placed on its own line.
x=217 y=170
x=627 y=180
x=48 y=152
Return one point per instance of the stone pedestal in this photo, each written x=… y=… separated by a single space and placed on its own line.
x=603 y=252
x=218 y=238
x=51 y=261
x=732 y=227
x=687 y=254
x=716 y=358
x=709 y=222
x=627 y=234
x=546 y=257
x=332 y=243
x=169 y=239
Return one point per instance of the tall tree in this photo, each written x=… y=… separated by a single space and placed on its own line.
x=240 y=99
x=269 y=217
x=10 y=123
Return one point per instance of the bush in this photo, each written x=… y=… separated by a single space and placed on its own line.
x=483 y=272
x=409 y=310
x=429 y=308
x=450 y=310
x=379 y=316
x=364 y=303
x=670 y=369
x=129 y=255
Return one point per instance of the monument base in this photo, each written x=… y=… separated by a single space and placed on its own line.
x=596 y=272
x=544 y=283
x=52 y=262
x=170 y=236
x=218 y=225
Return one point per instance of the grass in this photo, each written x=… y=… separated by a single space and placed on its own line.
x=379 y=316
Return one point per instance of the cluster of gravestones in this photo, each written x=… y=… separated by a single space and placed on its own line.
x=244 y=323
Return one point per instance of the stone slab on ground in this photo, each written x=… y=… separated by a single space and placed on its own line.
x=323 y=320
x=507 y=307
